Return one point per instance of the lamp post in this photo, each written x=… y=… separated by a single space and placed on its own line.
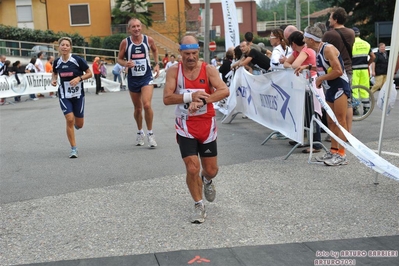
x=274 y=18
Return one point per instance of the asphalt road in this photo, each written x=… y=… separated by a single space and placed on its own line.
x=119 y=199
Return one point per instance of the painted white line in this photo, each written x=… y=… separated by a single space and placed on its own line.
x=387 y=152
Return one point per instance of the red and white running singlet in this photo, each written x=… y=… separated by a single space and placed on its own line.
x=200 y=125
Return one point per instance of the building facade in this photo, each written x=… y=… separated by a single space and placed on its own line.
x=88 y=18
x=246 y=17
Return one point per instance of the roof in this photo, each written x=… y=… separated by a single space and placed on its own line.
x=320 y=13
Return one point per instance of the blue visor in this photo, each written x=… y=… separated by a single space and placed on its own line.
x=189 y=46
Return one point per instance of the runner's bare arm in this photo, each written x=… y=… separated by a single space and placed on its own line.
x=154 y=50
x=221 y=90
x=121 y=56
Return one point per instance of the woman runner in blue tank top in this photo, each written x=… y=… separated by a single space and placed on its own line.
x=72 y=70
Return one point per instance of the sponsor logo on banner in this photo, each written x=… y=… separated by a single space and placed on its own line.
x=18 y=88
x=37 y=81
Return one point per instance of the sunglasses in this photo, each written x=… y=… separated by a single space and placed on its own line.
x=272 y=37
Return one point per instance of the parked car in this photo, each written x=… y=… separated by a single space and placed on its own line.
x=48 y=50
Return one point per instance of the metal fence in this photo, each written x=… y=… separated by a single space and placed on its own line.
x=31 y=49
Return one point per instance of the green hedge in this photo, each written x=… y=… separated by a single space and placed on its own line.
x=47 y=36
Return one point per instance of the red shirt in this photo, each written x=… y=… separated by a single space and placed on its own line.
x=96 y=69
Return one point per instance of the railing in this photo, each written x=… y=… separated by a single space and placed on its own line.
x=161 y=41
x=269 y=25
x=30 y=49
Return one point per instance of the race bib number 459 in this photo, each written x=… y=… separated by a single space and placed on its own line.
x=72 y=91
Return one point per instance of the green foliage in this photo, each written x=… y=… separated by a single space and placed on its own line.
x=113 y=41
x=364 y=15
x=124 y=10
x=47 y=36
x=267 y=9
x=95 y=42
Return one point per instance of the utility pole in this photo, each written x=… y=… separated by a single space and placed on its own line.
x=206 y=37
x=308 y=13
x=298 y=14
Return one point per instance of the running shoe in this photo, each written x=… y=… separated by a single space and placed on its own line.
x=76 y=127
x=199 y=214
x=73 y=154
x=279 y=136
x=356 y=111
x=151 y=141
x=327 y=156
x=140 y=139
x=365 y=110
x=209 y=190
x=336 y=160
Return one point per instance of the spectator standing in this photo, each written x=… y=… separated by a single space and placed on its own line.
x=97 y=75
x=136 y=50
x=214 y=61
x=117 y=72
x=226 y=65
x=193 y=87
x=39 y=67
x=103 y=70
x=31 y=68
x=171 y=62
x=379 y=67
x=49 y=69
x=3 y=68
x=362 y=57
x=165 y=60
x=72 y=71
x=16 y=69
x=2 y=64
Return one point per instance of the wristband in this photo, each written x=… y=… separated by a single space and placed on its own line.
x=187 y=97
x=80 y=78
x=310 y=67
x=203 y=101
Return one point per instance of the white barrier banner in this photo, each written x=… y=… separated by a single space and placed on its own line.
x=33 y=83
x=357 y=148
x=274 y=100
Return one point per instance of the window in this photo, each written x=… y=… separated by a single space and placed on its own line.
x=239 y=15
x=159 y=11
x=24 y=13
x=79 y=15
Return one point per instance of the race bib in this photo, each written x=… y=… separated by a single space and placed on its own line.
x=183 y=108
x=140 y=67
x=72 y=91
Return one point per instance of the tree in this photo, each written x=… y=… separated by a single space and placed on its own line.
x=365 y=13
x=124 y=10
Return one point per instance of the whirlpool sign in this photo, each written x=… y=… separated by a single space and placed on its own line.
x=22 y=84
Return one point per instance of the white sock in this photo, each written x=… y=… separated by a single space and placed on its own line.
x=199 y=202
x=206 y=181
